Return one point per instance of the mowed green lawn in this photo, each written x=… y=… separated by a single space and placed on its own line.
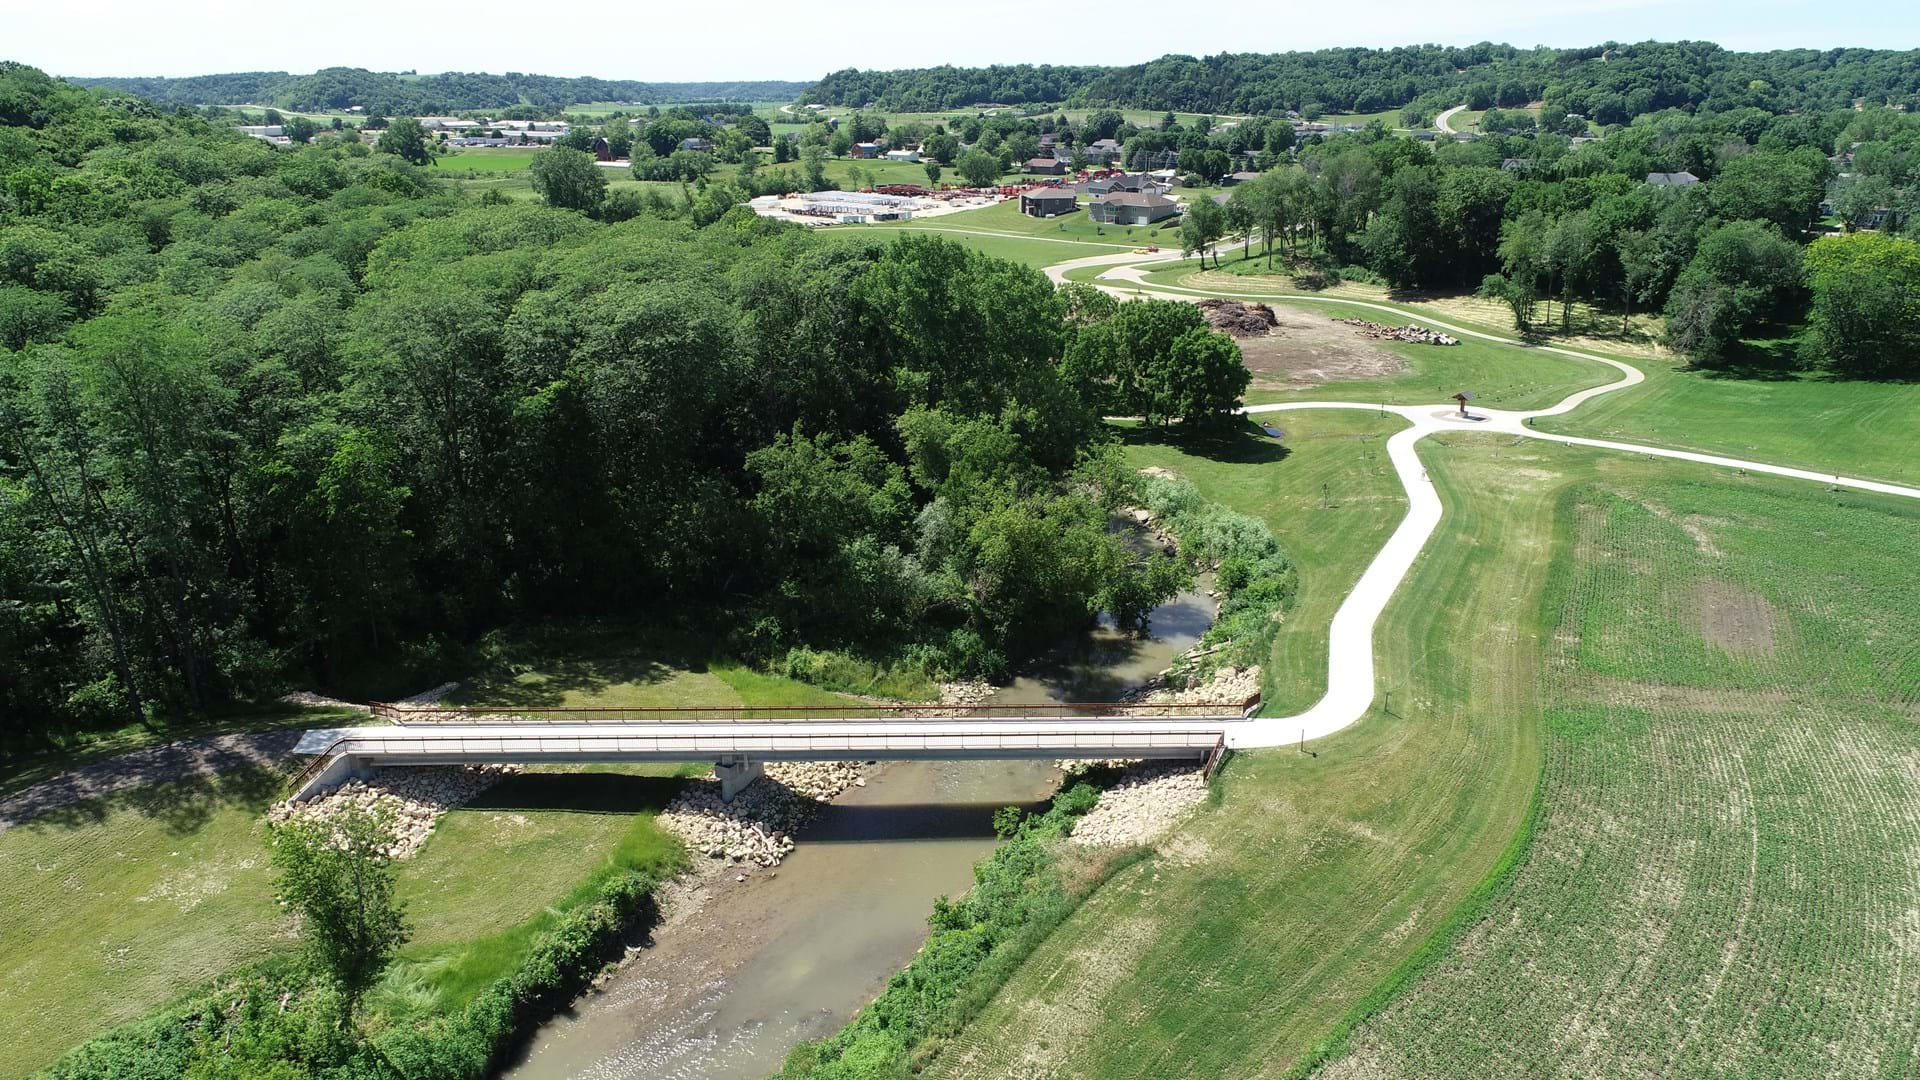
x=1808 y=420
x=1005 y=217
x=115 y=907
x=1864 y=429
x=1725 y=879
x=489 y=159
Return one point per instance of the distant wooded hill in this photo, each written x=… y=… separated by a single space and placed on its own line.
x=1610 y=83
x=454 y=91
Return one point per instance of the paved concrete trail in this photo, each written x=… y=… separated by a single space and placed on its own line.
x=1350 y=673
x=1441 y=121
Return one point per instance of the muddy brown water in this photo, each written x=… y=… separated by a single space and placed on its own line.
x=792 y=953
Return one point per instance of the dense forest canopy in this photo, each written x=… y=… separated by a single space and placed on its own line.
x=267 y=414
x=389 y=94
x=1610 y=83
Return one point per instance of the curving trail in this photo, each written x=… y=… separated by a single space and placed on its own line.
x=1440 y=122
x=1350 y=670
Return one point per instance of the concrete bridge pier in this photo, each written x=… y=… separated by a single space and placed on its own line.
x=735 y=774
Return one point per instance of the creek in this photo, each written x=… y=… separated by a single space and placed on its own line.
x=792 y=953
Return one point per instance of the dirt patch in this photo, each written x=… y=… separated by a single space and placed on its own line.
x=1237 y=318
x=1735 y=619
x=1307 y=350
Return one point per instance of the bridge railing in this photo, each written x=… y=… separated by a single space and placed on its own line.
x=762 y=714
x=523 y=745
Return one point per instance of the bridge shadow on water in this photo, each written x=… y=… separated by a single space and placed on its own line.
x=592 y=791
x=872 y=823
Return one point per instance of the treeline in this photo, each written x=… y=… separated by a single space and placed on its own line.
x=269 y=416
x=1609 y=83
x=389 y=94
x=1543 y=225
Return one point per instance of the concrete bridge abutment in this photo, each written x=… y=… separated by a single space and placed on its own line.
x=736 y=774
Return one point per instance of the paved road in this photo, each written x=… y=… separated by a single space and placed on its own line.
x=1441 y=120
x=1350 y=662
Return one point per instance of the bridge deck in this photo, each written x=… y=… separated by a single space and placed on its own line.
x=512 y=739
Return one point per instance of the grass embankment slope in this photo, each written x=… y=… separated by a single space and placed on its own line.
x=1805 y=419
x=1253 y=930
x=114 y=907
x=1725 y=877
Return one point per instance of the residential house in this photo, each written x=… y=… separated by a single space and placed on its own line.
x=1046 y=166
x=1103 y=150
x=1048 y=202
x=865 y=150
x=695 y=144
x=1131 y=208
x=1672 y=179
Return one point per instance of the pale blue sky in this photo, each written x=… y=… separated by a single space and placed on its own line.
x=802 y=39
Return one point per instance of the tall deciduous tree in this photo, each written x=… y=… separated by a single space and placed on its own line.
x=337 y=874
x=405 y=139
x=569 y=179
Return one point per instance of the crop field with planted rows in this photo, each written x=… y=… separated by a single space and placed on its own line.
x=1725 y=873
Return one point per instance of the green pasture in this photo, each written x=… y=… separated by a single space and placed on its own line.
x=1722 y=878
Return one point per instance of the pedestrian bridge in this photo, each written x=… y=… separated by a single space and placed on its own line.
x=739 y=740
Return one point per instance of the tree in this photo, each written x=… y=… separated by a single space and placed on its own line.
x=813 y=167
x=1640 y=269
x=1153 y=359
x=1782 y=188
x=979 y=168
x=941 y=147
x=1866 y=305
x=405 y=139
x=840 y=143
x=338 y=875
x=933 y=173
x=1199 y=379
x=300 y=129
x=569 y=179
x=1204 y=223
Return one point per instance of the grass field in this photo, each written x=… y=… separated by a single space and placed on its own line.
x=1804 y=419
x=488 y=159
x=114 y=907
x=1724 y=879
x=1036 y=252
x=1006 y=217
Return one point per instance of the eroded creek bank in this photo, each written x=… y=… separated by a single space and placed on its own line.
x=742 y=970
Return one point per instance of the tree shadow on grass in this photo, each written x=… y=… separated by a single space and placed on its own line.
x=1244 y=442
x=560 y=677
x=182 y=806
x=1773 y=360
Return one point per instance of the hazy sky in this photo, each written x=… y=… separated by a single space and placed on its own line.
x=803 y=39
